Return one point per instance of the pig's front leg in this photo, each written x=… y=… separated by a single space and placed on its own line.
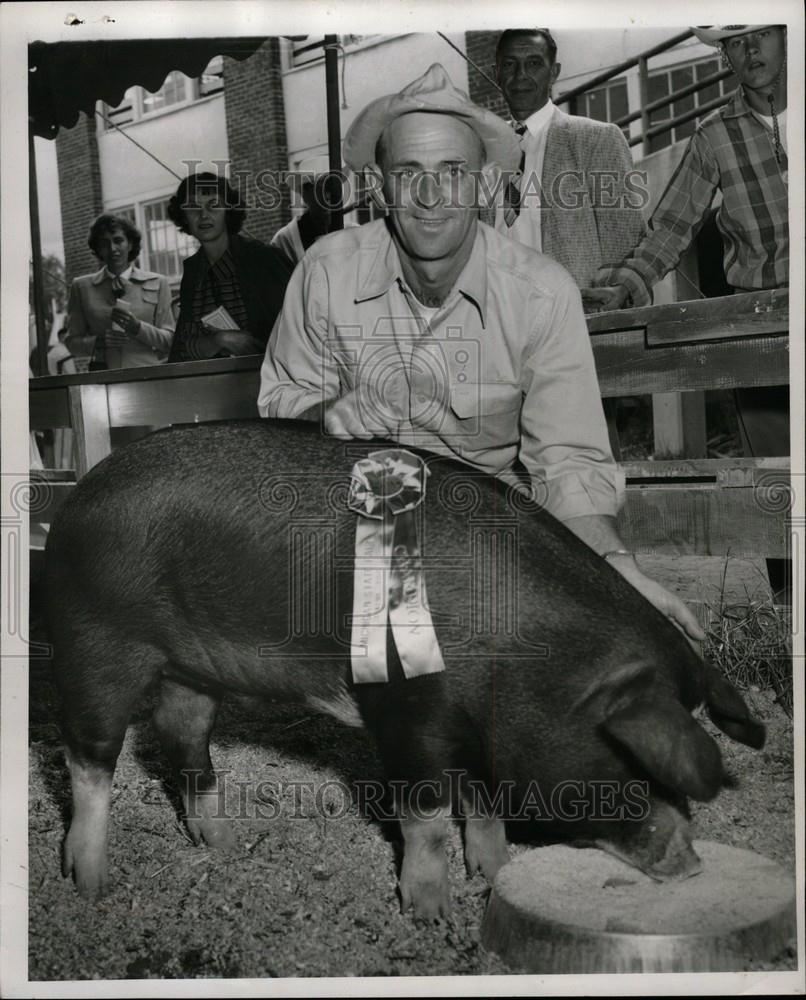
x=424 y=874
x=485 y=843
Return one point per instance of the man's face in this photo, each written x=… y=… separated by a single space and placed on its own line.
x=757 y=57
x=526 y=74
x=430 y=170
x=206 y=216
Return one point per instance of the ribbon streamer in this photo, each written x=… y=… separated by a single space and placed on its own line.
x=389 y=585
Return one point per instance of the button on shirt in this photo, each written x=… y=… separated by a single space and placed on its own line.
x=502 y=371
x=526 y=227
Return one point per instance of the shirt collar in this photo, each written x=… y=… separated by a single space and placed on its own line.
x=379 y=269
x=124 y=275
x=536 y=122
x=737 y=105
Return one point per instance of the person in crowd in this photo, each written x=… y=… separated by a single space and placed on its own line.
x=430 y=328
x=120 y=316
x=301 y=232
x=740 y=153
x=232 y=287
x=578 y=198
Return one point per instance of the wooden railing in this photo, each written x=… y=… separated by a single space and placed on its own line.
x=706 y=507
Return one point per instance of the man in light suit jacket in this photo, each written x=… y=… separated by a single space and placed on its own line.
x=579 y=198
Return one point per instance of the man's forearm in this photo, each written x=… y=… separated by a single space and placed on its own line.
x=598 y=531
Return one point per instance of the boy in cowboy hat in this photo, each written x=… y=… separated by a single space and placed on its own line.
x=432 y=329
x=741 y=151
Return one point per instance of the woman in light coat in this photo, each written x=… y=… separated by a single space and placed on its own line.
x=120 y=316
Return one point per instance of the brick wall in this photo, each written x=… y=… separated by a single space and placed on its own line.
x=253 y=95
x=480 y=47
x=80 y=193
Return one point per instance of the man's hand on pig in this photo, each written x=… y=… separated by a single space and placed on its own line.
x=666 y=602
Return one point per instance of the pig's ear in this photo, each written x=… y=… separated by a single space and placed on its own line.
x=727 y=710
x=666 y=740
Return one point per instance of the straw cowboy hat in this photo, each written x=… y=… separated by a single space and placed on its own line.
x=718 y=33
x=432 y=92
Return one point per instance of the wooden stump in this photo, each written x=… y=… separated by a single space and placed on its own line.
x=564 y=910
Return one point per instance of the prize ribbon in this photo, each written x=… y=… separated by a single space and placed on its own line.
x=389 y=582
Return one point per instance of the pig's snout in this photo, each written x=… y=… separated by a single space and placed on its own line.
x=660 y=846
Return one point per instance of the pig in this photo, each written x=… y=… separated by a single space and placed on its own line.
x=189 y=560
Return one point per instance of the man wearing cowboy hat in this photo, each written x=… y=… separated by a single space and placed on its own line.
x=433 y=330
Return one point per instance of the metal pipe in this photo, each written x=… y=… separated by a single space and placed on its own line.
x=671 y=123
x=691 y=88
x=36 y=255
x=335 y=193
x=621 y=67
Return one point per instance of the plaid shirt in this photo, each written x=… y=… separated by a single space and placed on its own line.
x=219 y=286
x=731 y=152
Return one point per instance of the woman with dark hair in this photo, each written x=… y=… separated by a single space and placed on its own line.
x=232 y=287
x=121 y=315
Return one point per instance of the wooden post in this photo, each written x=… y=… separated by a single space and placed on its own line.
x=89 y=418
x=334 y=187
x=36 y=255
x=678 y=420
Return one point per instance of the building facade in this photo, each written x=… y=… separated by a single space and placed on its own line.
x=260 y=117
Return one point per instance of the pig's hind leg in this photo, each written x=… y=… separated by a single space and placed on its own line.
x=99 y=683
x=184 y=718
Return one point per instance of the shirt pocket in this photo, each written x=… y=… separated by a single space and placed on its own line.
x=151 y=294
x=487 y=414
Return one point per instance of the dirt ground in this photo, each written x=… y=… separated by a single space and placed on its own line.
x=311 y=892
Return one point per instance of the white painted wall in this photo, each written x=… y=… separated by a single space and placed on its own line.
x=195 y=131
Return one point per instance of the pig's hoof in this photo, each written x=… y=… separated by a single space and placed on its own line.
x=485 y=846
x=216 y=833
x=430 y=901
x=487 y=859
x=84 y=857
x=90 y=873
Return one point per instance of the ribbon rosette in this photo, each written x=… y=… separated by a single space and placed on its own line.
x=389 y=586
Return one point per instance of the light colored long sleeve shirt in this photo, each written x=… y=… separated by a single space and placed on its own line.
x=502 y=372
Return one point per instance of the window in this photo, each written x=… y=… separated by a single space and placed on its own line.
x=177 y=89
x=665 y=82
x=606 y=104
x=165 y=246
x=128 y=213
x=173 y=91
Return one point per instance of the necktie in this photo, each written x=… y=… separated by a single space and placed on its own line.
x=512 y=193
